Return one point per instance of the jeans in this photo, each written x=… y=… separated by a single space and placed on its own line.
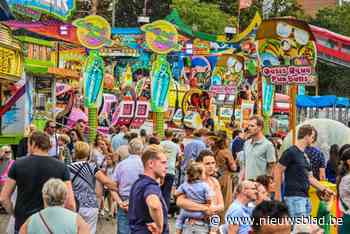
x=197 y=227
x=298 y=206
x=122 y=222
x=166 y=188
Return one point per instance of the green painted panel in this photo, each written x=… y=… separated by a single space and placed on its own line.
x=36 y=41
x=10 y=139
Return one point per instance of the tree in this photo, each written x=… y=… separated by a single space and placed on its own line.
x=335 y=19
x=277 y=8
x=202 y=16
x=334 y=79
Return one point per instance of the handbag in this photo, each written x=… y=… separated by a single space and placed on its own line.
x=45 y=224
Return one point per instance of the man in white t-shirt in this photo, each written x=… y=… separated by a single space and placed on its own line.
x=171 y=150
x=50 y=129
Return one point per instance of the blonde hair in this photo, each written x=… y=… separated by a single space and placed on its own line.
x=54 y=192
x=135 y=146
x=82 y=150
x=29 y=129
x=64 y=137
x=151 y=153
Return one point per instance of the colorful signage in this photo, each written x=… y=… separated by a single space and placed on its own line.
x=220 y=89
x=161 y=37
x=26 y=11
x=93 y=78
x=93 y=32
x=289 y=75
x=228 y=71
x=61 y=9
x=201 y=47
x=287 y=51
x=64 y=73
x=11 y=60
x=160 y=82
x=247 y=111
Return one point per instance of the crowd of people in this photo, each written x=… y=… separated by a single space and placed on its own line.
x=55 y=182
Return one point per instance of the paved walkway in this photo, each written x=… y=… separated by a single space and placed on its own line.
x=103 y=226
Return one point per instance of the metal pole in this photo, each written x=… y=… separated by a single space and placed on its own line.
x=145 y=7
x=113 y=13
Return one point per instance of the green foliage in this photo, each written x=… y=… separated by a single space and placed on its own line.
x=204 y=17
x=336 y=19
x=334 y=79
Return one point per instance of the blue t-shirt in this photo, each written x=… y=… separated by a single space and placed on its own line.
x=238 y=214
x=197 y=191
x=237 y=145
x=138 y=213
x=317 y=160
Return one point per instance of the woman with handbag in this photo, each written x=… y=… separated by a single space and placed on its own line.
x=54 y=218
x=84 y=174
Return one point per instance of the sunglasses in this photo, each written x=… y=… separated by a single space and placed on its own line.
x=7 y=152
x=53 y=127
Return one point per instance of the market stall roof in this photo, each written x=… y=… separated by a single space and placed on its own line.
x=304 y=101
x=51 y=29
x=5 y=12
x=322 y=101
x=343 y=102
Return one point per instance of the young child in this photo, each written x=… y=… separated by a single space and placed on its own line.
x=196 y=190
x=324 y=211
x=109 y=171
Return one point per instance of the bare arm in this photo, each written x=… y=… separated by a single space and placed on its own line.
x=316 y=184
x=270 y=168
x=5 y=197
x=70 y=201
x=187 y=204
x=105 y=180
x=242 y=174
x=231 y=162
x=24 y=228
x=322 y=174
x=278 y=177
x=233 y=228
x=119 y=201
x=155 y=210
x=83 y=227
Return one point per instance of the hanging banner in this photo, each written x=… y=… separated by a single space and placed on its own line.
x=161 y=37
x=61 y=9
x=93 y=78
x=247 y=111
x=268 y=92
x=289 y=74
x=287 y=51
x=93 y=32
x=160 y=76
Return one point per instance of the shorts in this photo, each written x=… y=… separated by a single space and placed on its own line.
x=298 y=206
